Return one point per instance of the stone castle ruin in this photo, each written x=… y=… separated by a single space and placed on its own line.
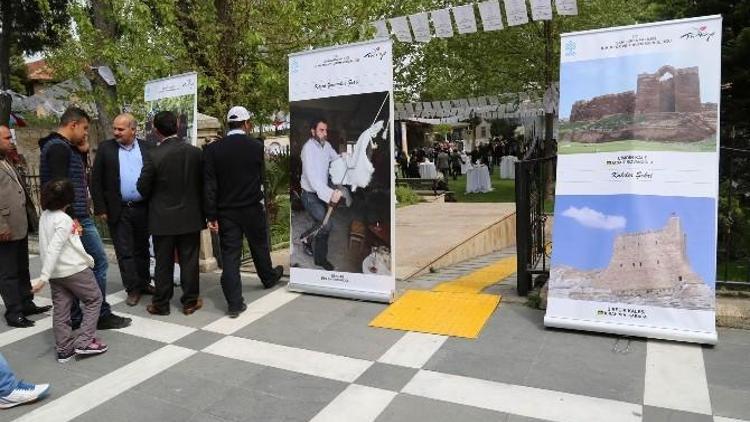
x=666 y=106
x=646 y=268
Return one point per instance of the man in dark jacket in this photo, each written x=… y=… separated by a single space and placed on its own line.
x=60 y=158
x=172 y=182
x=233 y=178
x=117 y=166
x=17 y=219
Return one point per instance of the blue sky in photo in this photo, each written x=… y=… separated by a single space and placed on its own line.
x=587 y=248
x=585 y=80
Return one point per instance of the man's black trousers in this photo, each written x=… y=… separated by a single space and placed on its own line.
x=130 y=238
x=233 y=224
x=15 y=282
x=187 y=246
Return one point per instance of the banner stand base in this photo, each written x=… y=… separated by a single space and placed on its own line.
x=700 y=337
x=348 y=293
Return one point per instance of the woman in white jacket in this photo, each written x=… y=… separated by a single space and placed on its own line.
x=67 y=267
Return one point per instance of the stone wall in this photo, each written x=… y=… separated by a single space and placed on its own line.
x=658 y=92
x=605 y=105
x=649 y=260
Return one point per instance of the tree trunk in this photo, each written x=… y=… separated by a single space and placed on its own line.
x=5 y=35
x=105 y=96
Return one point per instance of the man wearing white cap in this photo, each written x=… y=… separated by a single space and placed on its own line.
x=233 y=176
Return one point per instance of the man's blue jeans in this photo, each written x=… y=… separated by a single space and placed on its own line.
x=8 y=381
x=93 y=245
x=317 y=210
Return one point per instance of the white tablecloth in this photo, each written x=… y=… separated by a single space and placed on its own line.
x=427 y=170
x=508 y=167
x=478 y=180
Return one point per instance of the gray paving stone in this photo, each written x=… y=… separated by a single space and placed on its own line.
x=728 y=374
x=387 y=377
x=328 y=325
x=659 y=414
x=406 y=407
x=585 y=363
x=504 y=351
x=516 y=418
x=136 y=406
x=730 y=402
x=218 y=369
x=199 y=340
x=276 y=395
x=184 y=390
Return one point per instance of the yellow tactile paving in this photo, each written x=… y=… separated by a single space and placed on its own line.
x=445 y=313
x=480 y=279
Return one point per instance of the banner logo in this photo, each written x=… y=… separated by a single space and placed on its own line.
x=570 y=48
x=701 y=33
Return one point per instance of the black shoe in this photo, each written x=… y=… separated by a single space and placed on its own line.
x=33 y=309
x=278 y=272
x=112 y=322
x=20 y=322
x=307 y=247
x=236 y=312
x=326 y=265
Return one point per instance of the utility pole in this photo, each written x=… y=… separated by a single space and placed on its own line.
x=549 y=118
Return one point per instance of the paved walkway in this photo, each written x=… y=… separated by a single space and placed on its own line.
x=300 y=357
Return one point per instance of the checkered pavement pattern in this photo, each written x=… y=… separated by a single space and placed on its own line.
x=301 y=357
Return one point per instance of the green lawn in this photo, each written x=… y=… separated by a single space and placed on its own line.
x=735 y=270
x=504 y=190
x=636 y=145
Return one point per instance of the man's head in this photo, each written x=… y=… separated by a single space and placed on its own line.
x=319 y=130
x=6 y=140
x=165 y=123
x=74 y=125
x=124 y=128
x=239 y=118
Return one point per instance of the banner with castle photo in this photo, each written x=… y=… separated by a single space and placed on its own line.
x=634 y=233
x=178 y=94
x=341 y=139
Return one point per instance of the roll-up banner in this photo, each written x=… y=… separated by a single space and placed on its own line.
x=343 y=207
x=634 y=234
x=178 y=94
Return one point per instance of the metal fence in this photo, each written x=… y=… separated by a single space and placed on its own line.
x=534 y=193
x=734 y=219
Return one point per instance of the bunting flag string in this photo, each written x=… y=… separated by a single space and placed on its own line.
x=516 y=13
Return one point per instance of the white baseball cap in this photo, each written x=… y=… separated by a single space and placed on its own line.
x=238 y=114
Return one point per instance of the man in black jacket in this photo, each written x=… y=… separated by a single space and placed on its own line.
x=117 y=166
x=60 y=157
x=233 y=176
x=172 y=182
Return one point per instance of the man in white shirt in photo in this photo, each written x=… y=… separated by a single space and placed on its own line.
x=317 y=195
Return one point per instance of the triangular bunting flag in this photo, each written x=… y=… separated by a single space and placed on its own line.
x=420 y=26
x=541 y=10
x=400 y=28
x=466 y=21
x=491 y=17
x=515 y=12
x=566 y=7
x=441 y=20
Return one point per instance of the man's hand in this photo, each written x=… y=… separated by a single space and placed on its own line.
x=213 y=226
x=103 y=217
x=38 y=286
x=5 y=235
x=336 y=196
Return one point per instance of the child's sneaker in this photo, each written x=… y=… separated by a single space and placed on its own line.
x=64 y=357
x=94 y=348
x=24 y=393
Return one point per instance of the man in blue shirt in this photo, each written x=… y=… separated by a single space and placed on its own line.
x=116 y=170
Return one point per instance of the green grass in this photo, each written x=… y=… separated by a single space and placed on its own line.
x=735 y=270
x=280 y=228
x=636 y=145
x=504 y=190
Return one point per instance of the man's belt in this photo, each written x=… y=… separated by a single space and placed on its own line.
x=133 y=204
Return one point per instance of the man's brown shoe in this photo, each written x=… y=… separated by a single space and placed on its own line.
x=133 y=298
x=153 y=310
x=191 y=308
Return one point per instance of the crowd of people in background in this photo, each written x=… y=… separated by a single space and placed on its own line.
x=165 y=189
x=448 y=157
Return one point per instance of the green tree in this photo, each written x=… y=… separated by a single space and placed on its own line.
x=26 y=26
